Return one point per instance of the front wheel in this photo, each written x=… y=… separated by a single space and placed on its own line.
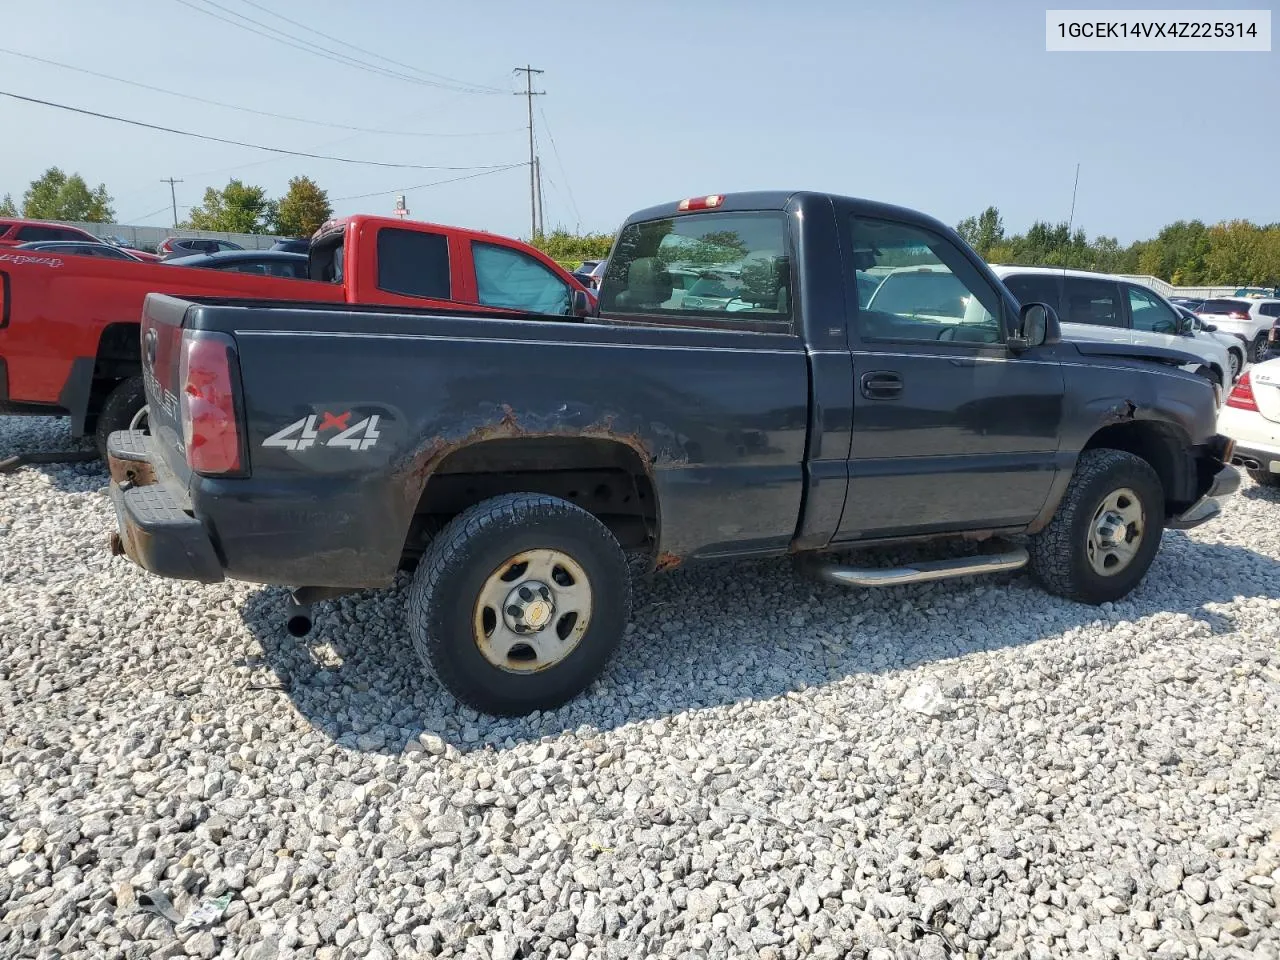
x=1258 y=349
x=1237 y=363
x=519 y=603
x=1100 y=543
x=124 y=409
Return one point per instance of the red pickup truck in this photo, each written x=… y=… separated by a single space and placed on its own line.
x=69 y=326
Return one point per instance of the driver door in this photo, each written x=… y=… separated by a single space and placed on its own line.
x=951 y=430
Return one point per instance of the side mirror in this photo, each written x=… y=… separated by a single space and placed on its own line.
x=1035 y=321
x=580 y=304
x=1186 y=327
x=1207 y=327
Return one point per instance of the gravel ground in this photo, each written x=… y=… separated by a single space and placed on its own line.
x=772 y=768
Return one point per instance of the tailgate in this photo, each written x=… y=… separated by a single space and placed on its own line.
x=1265 y=378
x=161 y=359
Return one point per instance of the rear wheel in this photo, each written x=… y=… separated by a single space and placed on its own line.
x=1264 y=478
x=519 y=603
x=1258 y=349
x=124 y=409
x=1100 y=543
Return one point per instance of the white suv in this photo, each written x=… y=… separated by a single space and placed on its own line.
x=1249 y=318
x=1097 y=306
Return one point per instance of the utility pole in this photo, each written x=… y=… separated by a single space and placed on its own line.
x=173 y=195
x=542 y=218
x=529 y=93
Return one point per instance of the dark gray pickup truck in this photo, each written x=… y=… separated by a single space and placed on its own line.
x=750 y=387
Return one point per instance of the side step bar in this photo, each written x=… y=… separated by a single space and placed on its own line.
x=846 y=576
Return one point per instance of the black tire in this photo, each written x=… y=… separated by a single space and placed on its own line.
x=1264 y=478
x=119 y=409
x=1059 y=552
x=462 y=558
x=1237 y=364
x=1259 y=348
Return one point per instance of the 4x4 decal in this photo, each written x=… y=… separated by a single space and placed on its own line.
x=304 y=433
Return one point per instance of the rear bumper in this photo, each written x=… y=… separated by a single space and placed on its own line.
x=1225 y=481
x=1255 y=456
x=154 y=528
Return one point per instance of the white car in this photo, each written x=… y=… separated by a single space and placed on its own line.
x=1237 y=349
x=1100 y=307
x=1249 y=318
x=1251 y=417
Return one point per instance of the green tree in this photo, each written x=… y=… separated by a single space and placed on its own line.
x=1177 y=253
x=7 y=208
x=56 y=196
x=984 y=232
x=236 y=208
x=303 y=210
x=1238 y=253
x=571 y=249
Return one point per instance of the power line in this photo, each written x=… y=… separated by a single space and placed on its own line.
x=260 y=113
x=315 y=49
x=423 y=186
x=241 y=143
x=374 y=54
x=563 y=172
x=147 y=216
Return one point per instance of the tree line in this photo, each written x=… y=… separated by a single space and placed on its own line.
x=236 y=208
x=1187 y=253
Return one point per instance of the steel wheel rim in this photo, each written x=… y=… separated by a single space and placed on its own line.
x=1115 y=532
x=532 y=611
x=140 y=421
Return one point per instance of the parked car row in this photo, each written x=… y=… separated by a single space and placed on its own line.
x=1250 y=318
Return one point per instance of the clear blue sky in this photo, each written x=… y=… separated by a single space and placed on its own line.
x=943 y=106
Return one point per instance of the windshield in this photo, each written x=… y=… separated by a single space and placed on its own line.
x=941 y=294
x=715 y=287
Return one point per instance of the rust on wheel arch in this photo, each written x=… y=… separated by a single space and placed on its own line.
x=423 y=462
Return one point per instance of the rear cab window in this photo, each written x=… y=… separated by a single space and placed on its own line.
x=414 y=263
x=712 y=268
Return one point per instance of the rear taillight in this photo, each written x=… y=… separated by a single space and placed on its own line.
x=210 y=429
x=1238 y=315
x=1241 y=396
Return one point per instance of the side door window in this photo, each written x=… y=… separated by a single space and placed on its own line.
x=925 y=288
x=413 y=263
x=1035 y=288
x=1149 y=314
x=29 y=234
x=513 y=280
x=1089 y=301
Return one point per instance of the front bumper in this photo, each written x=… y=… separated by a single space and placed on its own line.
x=154 y=528
x=1225 y=481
